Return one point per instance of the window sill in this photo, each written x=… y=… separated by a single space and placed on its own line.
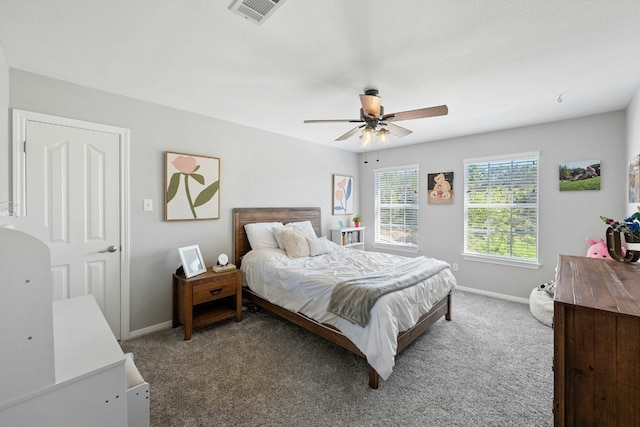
x=533 y=265
x=397 y=248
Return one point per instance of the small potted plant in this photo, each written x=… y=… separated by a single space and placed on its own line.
x=356 y=220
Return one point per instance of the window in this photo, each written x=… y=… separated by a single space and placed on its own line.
x=396 y=222
x=501 y=208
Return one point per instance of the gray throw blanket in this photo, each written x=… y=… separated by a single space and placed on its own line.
x=354 y=298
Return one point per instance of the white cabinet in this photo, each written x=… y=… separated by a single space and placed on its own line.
x=89 y=386
x=60 y=364
x=352 y=237
x=26 y=319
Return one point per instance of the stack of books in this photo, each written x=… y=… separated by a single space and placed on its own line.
x=223 y=268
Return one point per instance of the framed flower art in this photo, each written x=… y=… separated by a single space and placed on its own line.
x=342 y=195
x=192 y=187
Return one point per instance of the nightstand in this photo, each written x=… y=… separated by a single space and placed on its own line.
x=206 y=299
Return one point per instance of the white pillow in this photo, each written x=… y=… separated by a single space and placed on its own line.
x=277 y=233
x=295 y=242
x=318 y=246
x=306 y=227
x=260 y=234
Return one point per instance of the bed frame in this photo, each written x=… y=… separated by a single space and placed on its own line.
x=243 y=216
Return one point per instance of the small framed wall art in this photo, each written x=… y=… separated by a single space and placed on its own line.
x=634 y=179
x=342 y=195
x=579 y=175
x=440 y=188
x=192 y=187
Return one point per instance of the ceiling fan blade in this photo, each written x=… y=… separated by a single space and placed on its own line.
x=370 y=105
x=396 y=130
x=440 y=110
x=350 y=133
x=335 y=121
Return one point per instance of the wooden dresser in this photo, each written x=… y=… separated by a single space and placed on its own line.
x=596 y=343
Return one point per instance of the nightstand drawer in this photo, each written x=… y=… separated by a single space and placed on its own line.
x=206 y=292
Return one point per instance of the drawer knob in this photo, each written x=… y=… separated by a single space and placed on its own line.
x=215 y=291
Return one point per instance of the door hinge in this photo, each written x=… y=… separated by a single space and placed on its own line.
x=24 y=146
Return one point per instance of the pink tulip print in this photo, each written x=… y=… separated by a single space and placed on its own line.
x=342 y=192
x=189 y=178
x=185 y=164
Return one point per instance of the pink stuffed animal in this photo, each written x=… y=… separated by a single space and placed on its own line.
x=598 y=249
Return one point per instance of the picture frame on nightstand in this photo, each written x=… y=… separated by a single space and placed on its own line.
x=192 y=262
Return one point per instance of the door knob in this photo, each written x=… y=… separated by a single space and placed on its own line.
x=111 y=248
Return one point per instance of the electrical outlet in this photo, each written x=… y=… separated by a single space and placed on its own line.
x=455 y=266
x=148 y=205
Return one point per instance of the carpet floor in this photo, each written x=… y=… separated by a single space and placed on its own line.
x=489 y=366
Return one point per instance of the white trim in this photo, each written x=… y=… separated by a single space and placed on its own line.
x=513 y=262
x=125 y=235
x=493 y=259
x=19 y=126
x=18 y=130
x=397 y=248
x=376 y=228
x=490 y=159
x=493 y=295
x=396 y=168
x=151 y=329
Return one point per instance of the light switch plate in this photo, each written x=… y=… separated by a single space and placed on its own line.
x=148 y=205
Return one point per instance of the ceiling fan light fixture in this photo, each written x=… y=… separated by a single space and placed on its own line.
x=376 y=125
x=370 y=105
x=367 y=137
x=383 y=136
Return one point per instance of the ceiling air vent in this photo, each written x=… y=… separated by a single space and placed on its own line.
x=255 y=10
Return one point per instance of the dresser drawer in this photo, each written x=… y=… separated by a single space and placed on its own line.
x=224 y=287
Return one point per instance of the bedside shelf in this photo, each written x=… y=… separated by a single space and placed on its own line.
x=349 y=237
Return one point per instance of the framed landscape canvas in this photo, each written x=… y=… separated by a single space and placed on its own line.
x=192 y=187
x=580 y=175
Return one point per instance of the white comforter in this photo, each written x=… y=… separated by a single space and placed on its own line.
x=304 y=285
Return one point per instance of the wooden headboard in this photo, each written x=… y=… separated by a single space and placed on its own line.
x=243 y=216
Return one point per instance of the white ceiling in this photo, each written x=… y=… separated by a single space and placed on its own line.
x=496 y=63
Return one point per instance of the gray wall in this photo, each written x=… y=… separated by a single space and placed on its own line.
x=263 y=169
x=257 y=169
x=633 y=142
x=566 y=218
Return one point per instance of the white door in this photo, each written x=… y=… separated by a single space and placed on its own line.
x=72 y=187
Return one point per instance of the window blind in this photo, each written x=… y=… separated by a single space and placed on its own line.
x=501 y=207
x=396 y=206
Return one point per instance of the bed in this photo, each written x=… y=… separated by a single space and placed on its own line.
x=327 y=325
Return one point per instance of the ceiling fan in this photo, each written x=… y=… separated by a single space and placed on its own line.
x=376 y=123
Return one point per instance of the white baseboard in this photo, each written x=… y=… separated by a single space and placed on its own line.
x=494 y=294
x=144 y=331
